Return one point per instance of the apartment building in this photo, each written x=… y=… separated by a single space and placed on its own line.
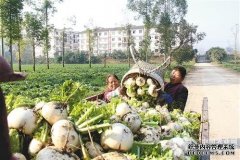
x=71 y=41
x=106 y=40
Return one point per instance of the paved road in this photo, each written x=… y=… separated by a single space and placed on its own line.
x=222 y=88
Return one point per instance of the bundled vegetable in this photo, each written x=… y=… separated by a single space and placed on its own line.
x=142 y=87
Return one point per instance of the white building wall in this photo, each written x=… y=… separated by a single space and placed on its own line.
x=106 y=40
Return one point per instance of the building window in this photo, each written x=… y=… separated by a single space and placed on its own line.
x=140 y=31
x=113 y=44
x=113 y=33
x=156 y=50
x=99 y=34
x=119 y=44
x=119 y=32
x=156 y=37
x=134 y=31
x=125 y=39
x=119 y=39
x=105 y=33
x=113 y=39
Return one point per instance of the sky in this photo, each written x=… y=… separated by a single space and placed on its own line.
x=217 y=18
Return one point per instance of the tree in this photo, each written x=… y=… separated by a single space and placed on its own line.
x=130 y=41
x=2 y=28
x=91 y=35
x=216 y=54
x=46 y=9
x=168 y=14
x=146 y=9
x=33 y=26
x=11 y=20
x=184 y=54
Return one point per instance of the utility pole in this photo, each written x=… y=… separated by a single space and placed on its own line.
x=236 y=43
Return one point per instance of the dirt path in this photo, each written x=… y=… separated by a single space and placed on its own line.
x=222 y=88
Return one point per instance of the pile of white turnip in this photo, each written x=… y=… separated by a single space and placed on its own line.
x=56 y=133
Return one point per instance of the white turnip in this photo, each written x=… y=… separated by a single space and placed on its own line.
x=150 y=134
x=23 y=119
x=52 y=153
x=54 y=111
x=152 y=90
x=118 y=137
x=122 y=109
x=112 y=156
x=64 y=136
x=133 y=121
x=35 y=146
x=140 y=81
x=93 y=149
x=19 y=156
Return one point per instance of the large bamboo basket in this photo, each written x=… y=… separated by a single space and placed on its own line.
x=146 y=69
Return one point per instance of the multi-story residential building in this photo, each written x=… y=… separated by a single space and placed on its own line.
x=106 y=40
x=71 y=41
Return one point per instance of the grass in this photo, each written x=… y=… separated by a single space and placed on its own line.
x=232 y=65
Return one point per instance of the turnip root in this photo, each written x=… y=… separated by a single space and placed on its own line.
x=130 y=82
x=54 y=111
x=152 y=90
x=39 y=105
x=133 y=121
x=122 y=109
x=93 y=149
x=64 y=135
x=140 y=81
x=140 y=92
x=52 y=153
x=150 y=134
x=118 y=137
x=19 y=156
x=112 y=156
x=23 y=119
x=150 y=81
x=35 y=146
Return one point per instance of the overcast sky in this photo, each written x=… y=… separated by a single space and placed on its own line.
x=217 y=18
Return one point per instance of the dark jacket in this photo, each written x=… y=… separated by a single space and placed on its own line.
x=5 y=151
x=179 y=94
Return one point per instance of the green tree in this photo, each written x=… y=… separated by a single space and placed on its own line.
x=46 y=8
x=169 y=13
x=130 y=41
x=216 y=54
x=33 y=26
x=184 y=54
x=146 y=10
x=91 y=37
x=11 y=20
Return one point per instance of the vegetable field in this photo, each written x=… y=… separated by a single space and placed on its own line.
x=40 y=83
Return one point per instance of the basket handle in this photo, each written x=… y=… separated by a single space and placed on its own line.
x=134 y=53
x=165 y=64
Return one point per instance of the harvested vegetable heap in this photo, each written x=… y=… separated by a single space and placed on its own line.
x=69 y=127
